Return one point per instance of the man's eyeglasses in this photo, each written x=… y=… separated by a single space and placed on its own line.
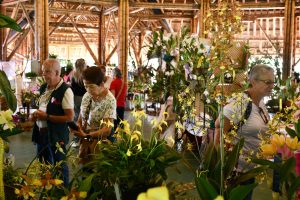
x=267 y=82
x=263 y=115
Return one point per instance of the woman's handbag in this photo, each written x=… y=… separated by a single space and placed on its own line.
x=87 y=147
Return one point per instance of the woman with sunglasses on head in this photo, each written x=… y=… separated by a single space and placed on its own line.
x=251 y=103
x=98 y=108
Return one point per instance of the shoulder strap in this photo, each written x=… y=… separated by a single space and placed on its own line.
x=246 y=113
x=88 y=109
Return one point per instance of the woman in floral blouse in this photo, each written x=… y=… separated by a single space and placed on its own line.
x=98 y=107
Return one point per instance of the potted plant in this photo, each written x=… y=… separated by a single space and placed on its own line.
x=30 y=75
x=131 y=164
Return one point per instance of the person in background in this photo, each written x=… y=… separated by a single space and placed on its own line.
x=107 y=79
x=262 y=81
x=55 y=109
x=78 y=90
x=98 y=104
x=119 y=89
x=68 y=75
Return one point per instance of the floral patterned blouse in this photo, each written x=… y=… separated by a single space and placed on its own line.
x=102 y=109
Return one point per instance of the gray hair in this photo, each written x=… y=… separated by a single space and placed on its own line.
x=53 y=63
x=259 y=69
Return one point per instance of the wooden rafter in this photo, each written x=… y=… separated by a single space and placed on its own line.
x=18 y=43
x=86 y=44
x=59 y=22
x=27 y=17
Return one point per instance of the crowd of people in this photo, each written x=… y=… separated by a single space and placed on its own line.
x=90 y=97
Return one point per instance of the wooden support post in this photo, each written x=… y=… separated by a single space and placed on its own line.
x=294 y=45
x=123 y=36
x=42 y=30
x=101 y=41
x=289 y=17
x=203 y=9
x=86 y=44
x=3 y=48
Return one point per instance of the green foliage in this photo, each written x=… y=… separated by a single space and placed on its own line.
x=30 y=75
x=208 y=181
x=7 y=22
x=52 y=55
x=7 y=92
x=294 y=132
x=143 y=167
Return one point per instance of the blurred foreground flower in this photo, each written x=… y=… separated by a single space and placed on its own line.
x=157 y=193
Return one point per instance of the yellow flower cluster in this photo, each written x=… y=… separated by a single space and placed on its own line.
x=31 y=186
x=280 y=144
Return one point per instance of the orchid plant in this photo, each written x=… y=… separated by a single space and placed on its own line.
x=131 y=164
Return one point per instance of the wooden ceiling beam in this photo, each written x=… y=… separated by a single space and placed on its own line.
x=168 y=6
x=11 y=3
x=71 y=25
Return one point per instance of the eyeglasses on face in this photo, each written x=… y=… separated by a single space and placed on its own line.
x=263 y=115
x=267 y=82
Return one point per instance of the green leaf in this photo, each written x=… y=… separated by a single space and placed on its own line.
x=233 y=158
x=294 y=187
x=241 y=191
x=7 y=22
x=291 y=132
x=94 y=196
x=208 y=155
x=7 y=91
x=287 y=167
x=297 y=128
x=205 y=189
x=271 y=164
x=86 y=184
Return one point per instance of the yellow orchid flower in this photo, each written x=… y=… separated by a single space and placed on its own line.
x=268 y=149
x=6 y=119
x=292 y=143
x=82 y=194
x=128 y=153
x=166 y=114
x=164 y=122
x=109 y=124
x=179 y=125
x=36 y=182
x=139 y=147
x=153 y=122
x=57 y=181
x=138 y=122
x=134 y=137
x=136 y=132
x=157 y=193
x=278 y=140
x=219 y=197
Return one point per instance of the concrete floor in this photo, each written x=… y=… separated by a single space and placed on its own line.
x=24 y=151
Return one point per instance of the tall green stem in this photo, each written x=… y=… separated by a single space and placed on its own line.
x=2 y=194
x=222 y=134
